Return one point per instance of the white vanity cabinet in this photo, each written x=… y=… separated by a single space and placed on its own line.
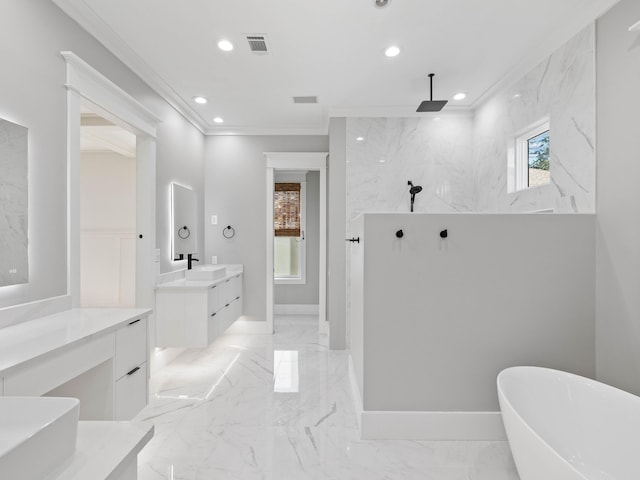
x=99 y=356
x=194 y=313
x=131 y=360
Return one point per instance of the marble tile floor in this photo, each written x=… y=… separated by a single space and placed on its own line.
x=279 y=407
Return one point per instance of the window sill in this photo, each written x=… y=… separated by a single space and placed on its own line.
x=289 y=281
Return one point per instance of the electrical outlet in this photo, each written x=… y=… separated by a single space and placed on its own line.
x=214 y=260
x=214 y=219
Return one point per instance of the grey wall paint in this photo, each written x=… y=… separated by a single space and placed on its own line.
x=235 y=186
x=32 y=36
x=308 y=293
x=336 y=234
x=618 y=198
x=444 y=317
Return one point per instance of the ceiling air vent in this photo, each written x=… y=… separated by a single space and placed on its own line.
x=257 y=44
x=305 y=99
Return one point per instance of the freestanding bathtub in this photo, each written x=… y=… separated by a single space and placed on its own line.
x=562 y=426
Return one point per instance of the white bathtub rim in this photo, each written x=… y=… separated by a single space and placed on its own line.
x=503 y=398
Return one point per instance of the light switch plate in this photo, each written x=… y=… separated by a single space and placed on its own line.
x=214 y=219
x=214 y=260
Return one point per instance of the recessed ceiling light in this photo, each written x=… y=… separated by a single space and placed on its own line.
x=382 y=160
x=381 y=3
x=437 y=119
x=200 y=100
x=392 y=51
x=225 y=45
x=360 y=139
x=517 y=95
x=460 y=96
x=218 y=120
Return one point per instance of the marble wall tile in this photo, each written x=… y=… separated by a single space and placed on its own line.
x=436 y=154
x=14 y=263
x=562 y=87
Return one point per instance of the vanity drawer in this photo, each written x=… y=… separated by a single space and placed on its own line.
x=131 y=393
x=131 y=346
x=212 y=299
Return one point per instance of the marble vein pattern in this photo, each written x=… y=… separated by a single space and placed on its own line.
x=217 y=415
x=562 y=88
x=14 y=263
x=383 y=154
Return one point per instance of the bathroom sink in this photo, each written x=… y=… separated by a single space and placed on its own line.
x=206 y=272
x=37 y=435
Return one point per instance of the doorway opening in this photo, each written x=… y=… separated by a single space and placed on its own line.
x=88 y=89
x=296 y=235
x=107 y=213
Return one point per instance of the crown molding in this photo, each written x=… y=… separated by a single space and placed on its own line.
x=231 y=131
x=402 y=112
x=87 y=18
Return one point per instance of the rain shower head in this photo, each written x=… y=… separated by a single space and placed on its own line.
x=431 y=105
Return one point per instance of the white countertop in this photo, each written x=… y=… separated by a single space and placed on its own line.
x=104 y=446
x=29 y=340
x=189 y=284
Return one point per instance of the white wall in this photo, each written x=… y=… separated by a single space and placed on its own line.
x=618 y=200
x=308 y=293
x=562 y=88
x=443 y=317
x=34 y=33
x=235 y=186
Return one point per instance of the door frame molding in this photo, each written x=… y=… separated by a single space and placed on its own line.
x=86 y=85
x=312 y=161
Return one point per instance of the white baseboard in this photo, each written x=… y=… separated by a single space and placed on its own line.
x=432 y=425
x=32 y=310
x=390 y=425
x=290 y=309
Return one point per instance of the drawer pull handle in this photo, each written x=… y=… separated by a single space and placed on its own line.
x=238 y=298
x=133 y=371
x=213 y=287
x=213 y=314
x=227 y=305
x=135 y=321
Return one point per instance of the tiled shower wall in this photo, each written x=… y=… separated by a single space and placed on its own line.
x=461 y=161
x=563 y=88
x=435 y=153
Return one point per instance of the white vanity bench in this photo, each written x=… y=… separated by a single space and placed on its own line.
x=101 y=357
x=98 y=355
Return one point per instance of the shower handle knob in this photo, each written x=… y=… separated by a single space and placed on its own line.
x=353 y=240
x=399 y=234
x=444 y=233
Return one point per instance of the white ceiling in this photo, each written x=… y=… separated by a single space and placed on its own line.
x=333 y=49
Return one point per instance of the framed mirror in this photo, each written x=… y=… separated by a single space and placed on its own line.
x=14 y=195
x=184 y=206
